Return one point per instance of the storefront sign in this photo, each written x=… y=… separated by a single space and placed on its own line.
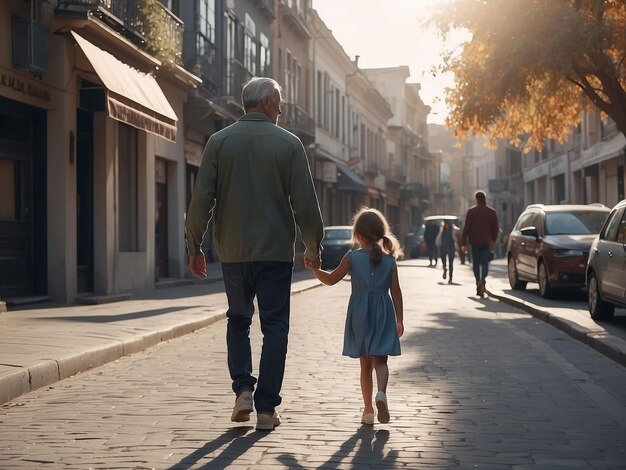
x=24 y=87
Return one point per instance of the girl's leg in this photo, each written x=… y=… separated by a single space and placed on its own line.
x=382 y=375
x=382 y=372
x=367 y=385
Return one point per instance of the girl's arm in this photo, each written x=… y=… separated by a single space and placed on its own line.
x=396 y=297
x=333 y=277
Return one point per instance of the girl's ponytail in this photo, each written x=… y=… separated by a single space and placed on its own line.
x=392 y=246
x=377 y=253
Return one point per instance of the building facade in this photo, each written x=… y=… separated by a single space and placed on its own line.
x=91 y=112
x=407 y=167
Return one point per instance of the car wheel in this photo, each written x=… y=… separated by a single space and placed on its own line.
x=545 y=289
x=598 y=308
x=514 y=280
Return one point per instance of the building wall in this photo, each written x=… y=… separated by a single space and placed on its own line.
x=58 y=94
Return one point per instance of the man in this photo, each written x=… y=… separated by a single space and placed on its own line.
x=255 y=182
x=481 y=228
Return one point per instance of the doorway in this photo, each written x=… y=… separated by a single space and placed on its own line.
x=23 y=235
x=160 y=220
x=84 y=200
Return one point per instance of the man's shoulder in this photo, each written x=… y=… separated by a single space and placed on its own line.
x=257 y=127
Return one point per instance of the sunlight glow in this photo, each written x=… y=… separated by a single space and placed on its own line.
x=393 y=33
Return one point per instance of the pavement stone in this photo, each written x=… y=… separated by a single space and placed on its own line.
x=479 y=385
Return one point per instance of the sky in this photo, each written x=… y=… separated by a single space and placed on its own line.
x=388 y=33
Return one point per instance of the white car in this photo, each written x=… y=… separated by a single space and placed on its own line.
x=606 y=268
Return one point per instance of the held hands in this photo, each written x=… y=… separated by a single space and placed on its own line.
x=313 y=265
x=197 y=266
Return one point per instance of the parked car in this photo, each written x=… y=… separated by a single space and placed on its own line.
x=417 y=246
x=437 y=219
x=336 y=243
x=606 y=269
x=550 y=245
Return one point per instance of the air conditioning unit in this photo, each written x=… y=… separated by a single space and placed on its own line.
x=30 y=45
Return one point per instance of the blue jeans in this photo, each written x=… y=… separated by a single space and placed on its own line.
x=480 y=261
x=270 y=283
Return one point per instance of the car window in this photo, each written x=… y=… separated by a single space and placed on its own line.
x=574 y=223
x=535 y=221
x=621 y=229
x=609 y=230
x=521 y=222
x=338 y=234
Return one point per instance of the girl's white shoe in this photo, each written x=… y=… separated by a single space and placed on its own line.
x=367 y=418
x=383 y=410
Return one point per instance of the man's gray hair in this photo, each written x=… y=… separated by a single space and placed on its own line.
x=256 y=88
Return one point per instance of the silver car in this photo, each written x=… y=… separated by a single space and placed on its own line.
x=606 y=268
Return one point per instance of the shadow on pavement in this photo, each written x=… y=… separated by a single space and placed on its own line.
x=238 y=440
x=123 y=316
x=370 y=450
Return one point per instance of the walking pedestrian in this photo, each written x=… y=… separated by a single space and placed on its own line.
x=374 y=321
x=255 y=182
x=449 y=236
x=430 y=236
x=481 y=230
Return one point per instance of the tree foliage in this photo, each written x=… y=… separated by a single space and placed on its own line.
x=532 y=66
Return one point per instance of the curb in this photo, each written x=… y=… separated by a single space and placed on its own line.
x=47 y=372
x=610 y=346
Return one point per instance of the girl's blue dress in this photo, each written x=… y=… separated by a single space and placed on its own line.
x=371 y=320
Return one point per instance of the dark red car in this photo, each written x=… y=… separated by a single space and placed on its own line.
x=550 y=245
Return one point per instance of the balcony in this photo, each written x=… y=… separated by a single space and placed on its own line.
x=297 y=120
x=396 y=173
x=296 y=17
x=423 y=153
x=204 y=62
x=268 y=7
x=370 y=168
x=146 y=23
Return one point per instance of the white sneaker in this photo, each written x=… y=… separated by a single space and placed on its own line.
x=383 y=410
x=243 y=407
x=267 y=421
x=367 y=419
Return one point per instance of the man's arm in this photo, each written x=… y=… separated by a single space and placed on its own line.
x=202 y=200
x=305 y=206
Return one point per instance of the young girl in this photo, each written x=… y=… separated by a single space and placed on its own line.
x=374 y=320
x=449 y=238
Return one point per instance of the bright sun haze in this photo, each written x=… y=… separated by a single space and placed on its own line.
x=389 y=34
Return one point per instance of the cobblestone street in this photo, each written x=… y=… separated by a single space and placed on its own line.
x=479 y=385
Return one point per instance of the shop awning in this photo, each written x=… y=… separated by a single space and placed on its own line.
x=133 y=97
x=347 y=180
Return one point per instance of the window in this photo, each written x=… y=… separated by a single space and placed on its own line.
x=127 y=188
x=249 y=46
x=287 y=78
x=207 y=19
x=9 y=192
x=574 y=223
x=265 y=56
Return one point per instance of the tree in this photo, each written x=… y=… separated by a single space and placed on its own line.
x=532 y=66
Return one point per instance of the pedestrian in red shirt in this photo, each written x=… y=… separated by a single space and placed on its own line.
x=481 y=230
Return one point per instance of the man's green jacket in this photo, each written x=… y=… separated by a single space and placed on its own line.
x=254 y=180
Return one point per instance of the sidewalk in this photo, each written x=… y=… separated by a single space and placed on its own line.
x=40 y=346
x=577 y=323
x=46 y=343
